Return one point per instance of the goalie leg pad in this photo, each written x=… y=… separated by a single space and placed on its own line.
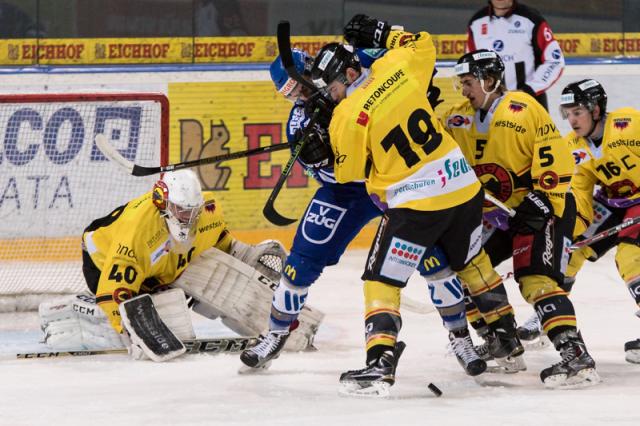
x=288 y=301
x=77 y=323
x=242 y=296
x=147 y=331
x=174 y=312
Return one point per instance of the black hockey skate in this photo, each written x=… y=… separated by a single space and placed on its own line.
x=530 y=330
x=577 y=369
x=632 y=351
x=503 y=345
x=375 y=379
x=268 y=348
x=462 y=347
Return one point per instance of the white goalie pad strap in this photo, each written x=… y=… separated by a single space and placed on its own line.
x=77 y=323
x=172 y=308
x=241 y=295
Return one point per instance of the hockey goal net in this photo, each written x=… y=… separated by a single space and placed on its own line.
x=55 y=181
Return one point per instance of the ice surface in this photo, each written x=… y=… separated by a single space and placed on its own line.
x=301 y=388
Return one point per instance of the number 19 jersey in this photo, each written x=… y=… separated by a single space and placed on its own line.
x=386 y=132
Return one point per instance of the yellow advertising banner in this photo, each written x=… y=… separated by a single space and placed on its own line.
x=210 y=119
x=202 y=50
x=149 y=50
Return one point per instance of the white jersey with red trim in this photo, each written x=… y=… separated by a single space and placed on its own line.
x=524 y=41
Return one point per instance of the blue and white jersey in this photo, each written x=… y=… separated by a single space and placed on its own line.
x=298 y=120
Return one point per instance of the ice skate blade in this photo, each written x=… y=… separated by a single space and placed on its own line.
x=508 y=365
x=374 y=390
x=536 y=344
x=583 y=379
x=632 y=356
x=245 y=369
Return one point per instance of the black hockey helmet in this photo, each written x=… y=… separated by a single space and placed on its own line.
x=331 y=64
x=587 y=93
x=481 y=64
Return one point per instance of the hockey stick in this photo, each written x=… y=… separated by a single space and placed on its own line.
x=269 y=210
x=210 y=346
x=604 y=234
x=284 y=49
x=499 y=204
x=136 y=170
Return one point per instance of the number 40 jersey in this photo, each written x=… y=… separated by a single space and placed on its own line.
x=135 y=253
x=386 y=132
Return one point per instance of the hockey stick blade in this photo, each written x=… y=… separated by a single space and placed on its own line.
x=136 y=170
x=284 y=48
x=208 y=346
x=269 y=210
x=606 y=233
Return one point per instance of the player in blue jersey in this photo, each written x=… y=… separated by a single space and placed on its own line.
x=334 y=216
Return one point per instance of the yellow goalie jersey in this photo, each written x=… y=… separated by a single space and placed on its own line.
x=515 y=150
x=615 y=165
x=386 y=132
x=133 y=250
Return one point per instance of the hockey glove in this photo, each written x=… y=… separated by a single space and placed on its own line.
x=363 y=31
x=321 y=107
x=532 y=214
x=317 y=150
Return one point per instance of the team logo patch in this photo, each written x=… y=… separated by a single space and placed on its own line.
x=621 y=123
x=580 y=156
x=495 y=179
x=321 y=221
x=548 y=180
x=516 y=106
x=210 y=206
x=484 y=29
x=461 y=121
x=121 y=294
x=498 y=45
x=556 y=54
x=363 y=118
x=401 y=259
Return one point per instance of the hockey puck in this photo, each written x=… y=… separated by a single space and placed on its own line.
x=436 y=390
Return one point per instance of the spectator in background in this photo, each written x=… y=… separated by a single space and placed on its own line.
x=523 y=39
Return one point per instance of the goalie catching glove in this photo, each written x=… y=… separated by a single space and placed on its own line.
x=363 y=31
x=532 y=214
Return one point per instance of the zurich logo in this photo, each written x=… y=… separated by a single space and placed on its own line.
x=321 y=221
x=517 y=24
x=556 y=54
x=498 y=45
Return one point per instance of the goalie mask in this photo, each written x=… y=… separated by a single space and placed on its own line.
x=289 y=87
x=178 y=196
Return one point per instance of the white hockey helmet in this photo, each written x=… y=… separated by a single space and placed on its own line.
x=178 y=196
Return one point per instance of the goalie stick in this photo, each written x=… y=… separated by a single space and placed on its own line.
x=136 y=170
x=209 y=346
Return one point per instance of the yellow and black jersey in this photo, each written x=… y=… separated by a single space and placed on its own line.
x=516 y=148
x=135 y=253
x=386 y=132
x=614 y=165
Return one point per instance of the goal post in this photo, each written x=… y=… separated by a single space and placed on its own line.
x=55 y=181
